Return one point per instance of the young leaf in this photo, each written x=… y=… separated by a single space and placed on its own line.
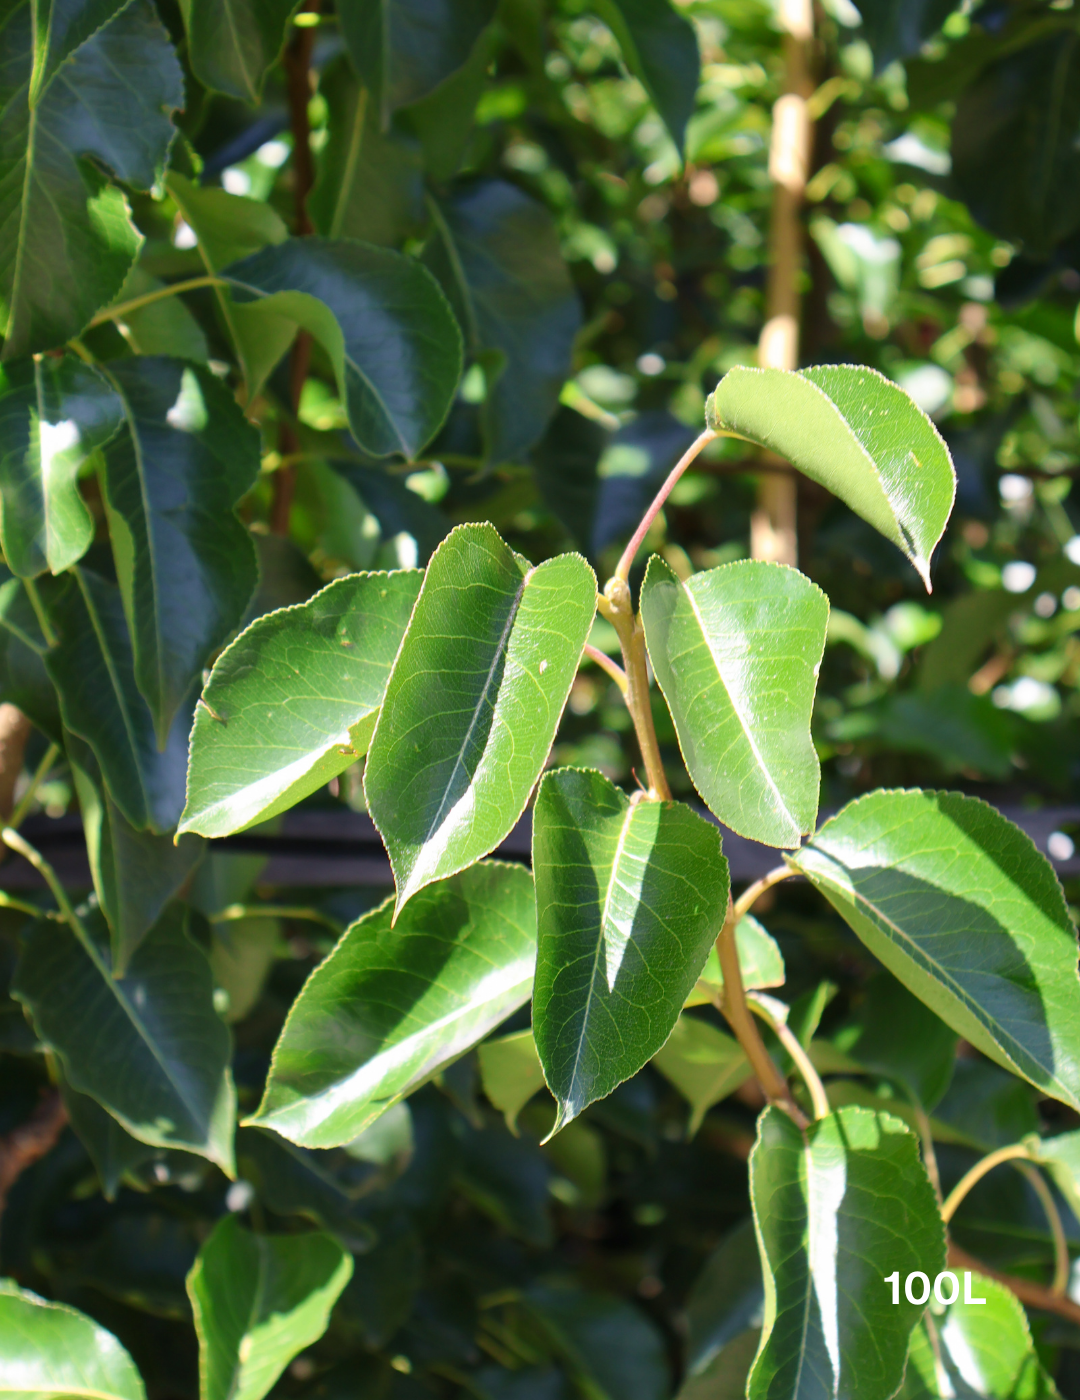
x=232 y=44
x=150 y=1048
x=510 y=1073
x=53 y=415
x=962 y=908
x=496 y=253
x=392 y=1004
x=50 y=1349
x=293 y=701
x=838 y=1207
x=473 y=702
x=93 y=91
x=760 y=962
x=630 y=897
x=381 y=318
x=258 y=1300
x=703 y=1063
x=185 y=563
x=736 y=651
x=660 y=48
x=859 y=435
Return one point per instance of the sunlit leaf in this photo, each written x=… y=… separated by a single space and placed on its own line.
x=51 y=1350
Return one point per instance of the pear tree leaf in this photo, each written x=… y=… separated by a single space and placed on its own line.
x=392 y=339
x=838 y=1207
x=1060 y=1155
x=630 y=897
x=703 y=1063
x=896 y=1035
x=163 y=327
x=95 y=92
x=856 y=433
x=959 y=905
x=149 y=1047
x=293 y=1180
x=392 y=1004
x=293 y=701
x=760 y=962
x=661 y=50
x=510 y=1073
x=258 y=1300
x=736 y=651
x=232 y=44
x=185 y=563
x=54 y=414
x=473 y=702
x=112 y=1150
x=53 y=1350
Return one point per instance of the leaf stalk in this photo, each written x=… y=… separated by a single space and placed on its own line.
x=174 y=289
x=976 y=1174
x=753 y=893
x=612 y=668
x=616 y=606
x=791 y=1043
x=52 y=753
x=622 y=569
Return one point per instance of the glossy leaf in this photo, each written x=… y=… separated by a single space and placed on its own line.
x=496 y=253
x=961 y=907
x=703 y=1063
x=53 y=415
x=92 y=667
x=736 y=651
x=856 y=433
x=760 y=962
x=232 y=44
x=391 y=337
x=473 y=702
x=293 y=701
x=258 y=1300
x=392 y=1004
x=510 y=1073
x=186 y=564
x=629 y=898
x=660 y=48
x=150 y=1048
x=50 y=1349
x=838 y=1208
x=96 y=93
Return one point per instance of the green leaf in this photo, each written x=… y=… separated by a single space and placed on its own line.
x=258 y=1300
x=53 y=1350
x=392 y=1004
x=510 y=1073
x=726 y=1299
x=53 y=415
x=839 y=1207
x=163 y=327
x=630 y=897
x=293 y=701
x=293 y=1180
x=96 y=93
x=983 y=1350
x=611 y=1348
x=961 y=907
x=736 y=651
x=185 y=563
x=388 y=330
x=135 y=873
x=473 y=702
x=898 y=1036
x=496 y=253
x=1061 y=1156
x=150 y=1048
x=232 y=44
x=403 y=49
x=661 y=50
x=241 y=956
x=92 y=667
x=760 y=962
x=703 y=1063
x=443 y=120
x=112 y=1150
x=898 y=28
x=853 y=431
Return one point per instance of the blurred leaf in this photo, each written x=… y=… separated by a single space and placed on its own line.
x=961 y=907
x=564 y=463
x=986 y=1108
x=612 y=970
x=443 y=120
x=293 y=701
x=293 y=1180
x=258 y=1300
x=896 y=28
x=960 y=730
x=1061 y=1156
x=510 y=1073
x=507 y=1178
x=392 y=1004
x=969 y=624
x=96 y=92
x=726 y=1299
x=241 y=956
x=736 y=651
x=726 y=1375
x=473 y=702
x=232 y=44
x=703 y=1063
x=379 y=1296
x=164 y=327
x=610 y=1347
x=636 y=459
x=897 y=1036
x=53 y=1350
x=660 y=48
x=112 y=1150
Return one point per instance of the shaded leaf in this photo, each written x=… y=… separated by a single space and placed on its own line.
x=962 y=908
x=726 y=1299
x=391 y=1005
x=898 y=28
x=97 y=93
x=760 y=962
x=611 y=1348
x=509 y=1180
x=53 y=415
x=51 y=1349
x=443 y=120
x=379 y=1296
x=510 y=1073
x=629 y=897
x=736 y=651
x=293 y=701
x=150 y=1048
x=703 y=1063
x=898 y=1036
x=258 y=1300
x=473 y=702
x=1061 y=1156
x=164 y=327
x=232 y=44
x=853 y=431
x=838 y=1208
x=660 y=48
x=241 y=956
x=293 y=1180
x=388 y=330
x=112 y=1150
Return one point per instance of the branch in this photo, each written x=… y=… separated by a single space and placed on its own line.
x=24 y=1145
x=615 y=605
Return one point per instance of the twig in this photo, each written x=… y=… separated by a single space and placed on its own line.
x=614 y=604
x=613 y=669
x=174 y=289
x=753 y=893
x=25 y=1145
x=1053 y=1218
x=23 y=848
x=976 y=1174
x=1034 y=1295
x=18 y=816
x=790 y=1041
